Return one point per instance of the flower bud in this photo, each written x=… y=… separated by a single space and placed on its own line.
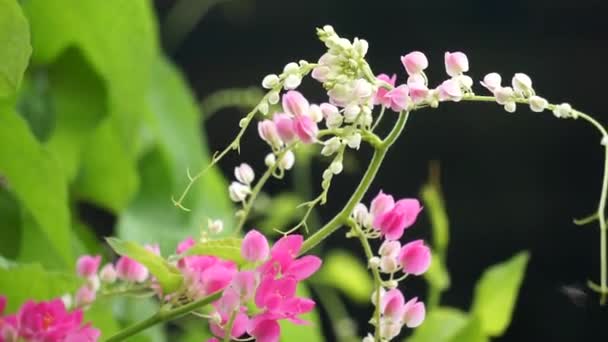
x=399 y=97
x=270 y=160
x=361 y=46
x=336 y=167
x=351 y=112
x=292 y=81
x=267 y=130
x=368 y=338
x=87 y=265
x=510 y=106
x=84 y=296
x=320 y=73
x=255 y=247
x=315 y=113
x=305 y=128
x=504 y=95
x=93 y=282
x=244 y=173
x=380 y=96
x=456 y=63
x=563 y=110
x=389 y=328
x=418 y=92
x=414 y=313
x=108 y=274
x=331 y=146
x=288 y=160
x=522 y=84
x=375 y=295
x=361 y=215
x=270 y=81
x=415 y=257
x=390 y=248
x=66 y=299
x=538 y=104
x=362 y=89
x=414 y=62
x=273 y=97
x=464 y=81
x=334 y=120
x=291 y=68
x=295 y=103
x=492 y=81
x=215 y=226
x=373 y=262
x=388 y=264
x=238 y=192
x=354 y=140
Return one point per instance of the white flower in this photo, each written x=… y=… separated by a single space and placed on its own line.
x=538 y=104
x=354 y=140
x=270 y=81
x=215 y=226
x=563 y=110
x=244 y=173
x=288 y=160
x=510 y=107
x=331 y=146
x=270 y=160
x=238 y=192
x=522 y=84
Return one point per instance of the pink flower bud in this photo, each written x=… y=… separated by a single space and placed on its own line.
x=380 y=97
x=492 y=81
x=390 y=248
x=85 y=296
x=450 y=90
x=418 y=92
x=295 y=103
x=305 y=128
x=284 y=124
x=392 y=303
x=87 y=265
x=399 y=98
x=416 y=78
x=393 y=222
x=456 y=63
x=415 y=257
x=414 y=62
x=107 y=274
x=255 y=246
x=268 y=132
x=130 y=270
x=320 y=73
x=414 y=312
x=381 y=204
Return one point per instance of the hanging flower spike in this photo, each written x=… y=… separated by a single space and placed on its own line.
x=415 y=257
x=380 y=97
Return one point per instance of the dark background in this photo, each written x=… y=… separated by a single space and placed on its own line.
x=512 y=181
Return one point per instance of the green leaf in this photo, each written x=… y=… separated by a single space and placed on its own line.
x=129 y=310
x=36 y=180
x=30 y=281
x=280 y=211
x=167 y=275
x=434 y=206
x=173 y=121
x=10 y=224
x=437 y=275
x=16 y=48
x=471 y=332
x=228 y=249
x=440 y=325
x=312 y=332
x=100 y=316
x=496 y=294
x=345 y=272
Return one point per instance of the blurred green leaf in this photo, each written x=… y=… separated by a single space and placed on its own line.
x=228 y=249
x=35 y=246
x=16 y=48
x=174 y=122
x=434 y=206
x=130 y=310
x=100 y=316
x=441 y=325
x=345 y=272
x=169 y=278
x=437 y=275
x=10 y=224
x=496 y=293
x=471 y=332
x=280 y=211
x=36 y=180
x=30 y=281
x=309 y=332
x=79 y=102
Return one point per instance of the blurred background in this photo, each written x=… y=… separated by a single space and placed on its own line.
x=511 y=181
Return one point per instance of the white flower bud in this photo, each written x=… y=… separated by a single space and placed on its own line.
x=522 y=84
x=321 y=73
x=336 y=167
x=391 y=284
x=389 y=329
x=273 y=97
x=270 y=81
x=361 y=214
x=354 y=140
x=362 y=88
x=504 y=95
x=538 y=104
x=215 y=226
x=67 y=301
x=331 y=146
x=315 y=113
x=510 y=107
x=374 y=262
x=238 y=192
x=263 y=107
x=361 y=46
x=351 y=112
x=465 y=81
x=492 y=81
x=270 y=159
x=563 y=110
x=288 y=160
x=388 y=264
x=108 y=274
x=327 y=174
x=368 y=338
x=292 y=81
x=291 y=68
x=244 y=173
x=333 y=120
x=93 y=283
x=375 y=295
x=390 y=248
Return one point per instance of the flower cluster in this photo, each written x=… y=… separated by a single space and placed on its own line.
x=44 y=321
x=388 y=219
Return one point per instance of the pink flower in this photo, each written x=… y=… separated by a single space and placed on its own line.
x=244 y=284
x=415 y=257
x=205 y=275
x=414 y=62
x=130 y=270
x=277 y=297
x=85 y=296
x=267 y=130
x=284 y=124
x=255 y=247
x=393 y=222
x=184 y=245
x=2 y=304
x=450 y=90
x=305 y=128
x=87 y=265
x=418 y=92
x=456 y=63
x=492 y=81
x=381 y=204
x=392 y=304
x=399 y=98
x=85 y=334
x=239 y=326
x=108 y=274
x=380 y=97
x=414 y=313
x=295 y=103
x=264 y=329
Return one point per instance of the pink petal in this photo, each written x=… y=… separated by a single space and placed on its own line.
x=304 y=267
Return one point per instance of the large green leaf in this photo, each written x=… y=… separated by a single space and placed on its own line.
x=37 y=182
x=169 y=278
x=10 y=224
x=437 y=275
x=496 y=294
x=16 y=48
x=228 y=249
x=344 y=271
x=174 y=121
x=440 y=325
x=30 y=281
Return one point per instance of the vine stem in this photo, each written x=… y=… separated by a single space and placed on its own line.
x=601 y=208
x=341 y=218
x=162 y=316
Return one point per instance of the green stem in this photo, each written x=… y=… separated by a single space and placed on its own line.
x=162 y=316
x=374 y=165
x=228 y=328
